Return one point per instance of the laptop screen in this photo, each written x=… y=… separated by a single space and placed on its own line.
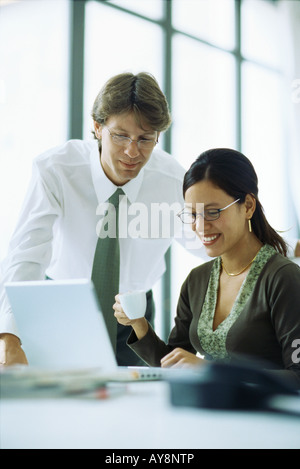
x=60 y=324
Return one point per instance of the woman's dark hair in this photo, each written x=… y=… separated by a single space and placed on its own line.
x=233 y=172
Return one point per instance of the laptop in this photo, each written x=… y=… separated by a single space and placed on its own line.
x=62 y=327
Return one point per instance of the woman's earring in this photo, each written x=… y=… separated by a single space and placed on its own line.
x=250 y=226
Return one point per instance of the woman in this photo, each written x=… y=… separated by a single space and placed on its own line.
x=246 y=301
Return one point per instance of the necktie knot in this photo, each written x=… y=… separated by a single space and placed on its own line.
x=115 y=198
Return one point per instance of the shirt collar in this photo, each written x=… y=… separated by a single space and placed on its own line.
x=104 y=188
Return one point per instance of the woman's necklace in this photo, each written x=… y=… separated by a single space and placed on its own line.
x=241 y=271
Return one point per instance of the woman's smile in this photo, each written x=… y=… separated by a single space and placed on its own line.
x=208 y=240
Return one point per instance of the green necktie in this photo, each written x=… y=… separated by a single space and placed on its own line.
x=106 y=266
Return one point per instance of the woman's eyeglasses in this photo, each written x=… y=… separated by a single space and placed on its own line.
x=208 y=215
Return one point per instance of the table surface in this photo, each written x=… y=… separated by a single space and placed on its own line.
x=139 y=417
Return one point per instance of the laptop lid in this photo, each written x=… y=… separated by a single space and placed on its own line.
x=60 y=324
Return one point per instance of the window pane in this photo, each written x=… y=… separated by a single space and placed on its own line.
x=203 y=99
x=263 y=139
x=211 y=20
x=33 y=95
x=204 y=115
x=150 y=8
x=261 y=39
x=107 y=53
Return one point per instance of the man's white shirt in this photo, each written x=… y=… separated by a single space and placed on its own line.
x=64 y=208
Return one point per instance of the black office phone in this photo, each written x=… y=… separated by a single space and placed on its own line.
x=238 y=384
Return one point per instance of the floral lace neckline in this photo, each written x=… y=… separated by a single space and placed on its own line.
x=212 y=341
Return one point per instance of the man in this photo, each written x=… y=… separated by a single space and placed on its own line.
x=68 y=202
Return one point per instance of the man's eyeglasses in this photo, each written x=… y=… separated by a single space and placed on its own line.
x=122 y=141
x=208 y=215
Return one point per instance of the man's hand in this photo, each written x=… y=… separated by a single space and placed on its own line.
x=11 y=352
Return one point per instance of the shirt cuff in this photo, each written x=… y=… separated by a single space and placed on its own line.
x=8 y=324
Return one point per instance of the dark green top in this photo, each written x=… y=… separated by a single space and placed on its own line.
x=266 y=327
x=214 y=341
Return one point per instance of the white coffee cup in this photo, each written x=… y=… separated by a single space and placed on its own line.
x=134 y=303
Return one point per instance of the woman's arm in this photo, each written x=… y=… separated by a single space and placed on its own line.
x=143 y=340
x=285 y=311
